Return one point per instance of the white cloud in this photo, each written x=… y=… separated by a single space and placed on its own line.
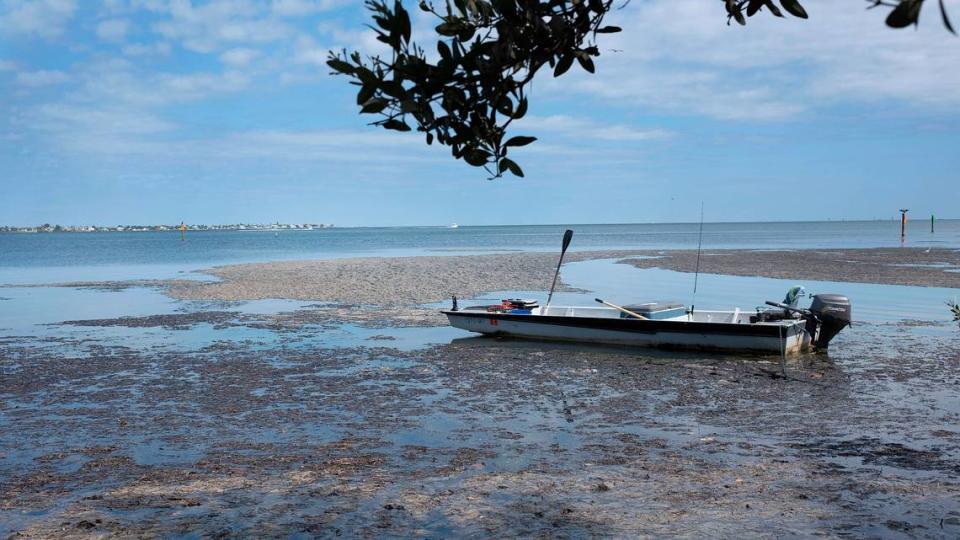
x=113 y=30
x=307 y=51
x=199 y=85
x=587 y=129
x=36 y=79
x=120 y=82
x=44 y=18
x=71 y=120
x=218 y=24
x=299 y=8
x=341 y=145
x=239 y=57
x=7 y=65
x=113 y=6
x=125 y=133
x=160 y=48
x=680 y=56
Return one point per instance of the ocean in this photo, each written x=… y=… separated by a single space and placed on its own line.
x=53 y=257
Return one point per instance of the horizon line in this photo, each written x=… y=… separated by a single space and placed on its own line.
x=316 y=226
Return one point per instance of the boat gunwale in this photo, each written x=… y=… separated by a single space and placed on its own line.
x=640 y=326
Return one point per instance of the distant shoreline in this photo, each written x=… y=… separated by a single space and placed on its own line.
x=915 y=221
x=87 y=229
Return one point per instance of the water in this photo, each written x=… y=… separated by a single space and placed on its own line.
x=40 y=258
x=321 y=383
x=51 y=258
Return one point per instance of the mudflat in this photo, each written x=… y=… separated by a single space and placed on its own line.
x=888 y=266
x=414 y=280
x=481 y=438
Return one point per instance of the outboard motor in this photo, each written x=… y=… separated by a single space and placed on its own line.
x=829 y=314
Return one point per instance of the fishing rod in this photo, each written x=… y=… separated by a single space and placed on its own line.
x=696 y=274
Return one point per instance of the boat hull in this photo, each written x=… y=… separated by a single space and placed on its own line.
x=788 y=337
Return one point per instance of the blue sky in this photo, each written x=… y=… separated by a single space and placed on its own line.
x=153 y=111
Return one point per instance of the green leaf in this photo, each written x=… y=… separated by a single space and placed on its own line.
x=520 y=140
x=773 y=9
x=366 y=76
x=366 y=93
x=563 y=65
x=448 y=29
x=505 y=106
x=374 y=106
x=340 y=66
x=794 y=8
x=904 y=14
x=946 y=19
x=507 y=164
x=396 y=125
x=738 y=15
x=521 y=109
x=466 y=33
x=586 y=62
x=394 y=90
x=404 y=19
x=444 y=50
x=477 y=158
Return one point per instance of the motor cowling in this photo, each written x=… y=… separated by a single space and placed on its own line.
x=829 y=314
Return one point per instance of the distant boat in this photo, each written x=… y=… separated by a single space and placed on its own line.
x=454 y=226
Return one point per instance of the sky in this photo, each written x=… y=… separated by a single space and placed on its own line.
x=156 y=111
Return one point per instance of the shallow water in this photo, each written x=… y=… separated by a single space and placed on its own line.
x=34 y=312
x=44 y=258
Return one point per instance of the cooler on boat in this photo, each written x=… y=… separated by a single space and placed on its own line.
x=656 y=310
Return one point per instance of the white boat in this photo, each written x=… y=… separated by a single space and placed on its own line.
x=665 y=325
x=784 y=329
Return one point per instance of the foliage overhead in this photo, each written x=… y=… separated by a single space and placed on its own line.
x=487 y=53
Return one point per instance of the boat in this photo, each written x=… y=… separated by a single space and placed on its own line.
x=454 y=226
x=778 y=327
x=663 y=324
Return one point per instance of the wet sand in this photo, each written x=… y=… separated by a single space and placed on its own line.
x=374 y=281
x=888 y=266
x=416 y=280
x=482 y=438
